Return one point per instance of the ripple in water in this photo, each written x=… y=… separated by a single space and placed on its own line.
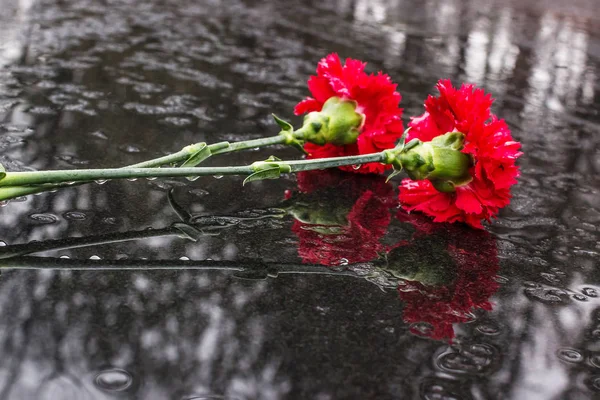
x=593 y=382
x=75 y=216
x=208 y=397
x=44 y=218
x=473 y=359
x=113 y=380
x=569 y=355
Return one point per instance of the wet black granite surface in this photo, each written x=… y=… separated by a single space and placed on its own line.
x=106 y=83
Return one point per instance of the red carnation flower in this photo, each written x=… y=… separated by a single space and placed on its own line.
x=359 y=207
x=377 y=100
x=487 y=140
x=475 y=258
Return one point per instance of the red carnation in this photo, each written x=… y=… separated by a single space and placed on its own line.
x=365 y=219
x=377 y=100
x=475 y=258
x=487 y=140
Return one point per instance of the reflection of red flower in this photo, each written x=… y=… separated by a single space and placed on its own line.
x=367 y=220
x=476 y=265
x=377 y=99
x=487 y=140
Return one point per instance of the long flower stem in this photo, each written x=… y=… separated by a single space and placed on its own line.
x=84 y=175
x=180 y=156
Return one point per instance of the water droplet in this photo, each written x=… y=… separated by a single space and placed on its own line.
x=356 y=166
x=192 y=178
x=590 y=292
x=95 y=258
x=472 y=359
x=44 y=218
x=184 y=258
x=580 y=297
x=595 y=360
x=151 y=178
x=343 y=261
x=2 y=243
x=75 y=215
x=101 y=181
x=593 y=383
x=421 y=328
x=109 y=220
x=488 y=328
x=132 y=179
x=199 y=192
x=547 y=295
x=569 y=355
x=4 y=203
x=217 y=176
x=113 y=380
x=129 y=148
x=64 y=256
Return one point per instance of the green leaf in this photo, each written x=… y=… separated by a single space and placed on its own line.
x=266 y=173
x=393 y=174
x=297 y=145
x=2 y=171
x=201 y=154
x=402 y=140
x=284 y=125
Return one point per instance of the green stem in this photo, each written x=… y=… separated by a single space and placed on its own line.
x=84 y=175
x=180 y=156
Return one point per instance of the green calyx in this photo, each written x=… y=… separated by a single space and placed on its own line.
x=440 y=161
x=271 y=168
x=337 y=123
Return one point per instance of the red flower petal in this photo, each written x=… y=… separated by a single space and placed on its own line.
x=377 y=99
x=487 y=140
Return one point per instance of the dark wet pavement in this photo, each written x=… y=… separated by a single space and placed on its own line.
x=237 y=315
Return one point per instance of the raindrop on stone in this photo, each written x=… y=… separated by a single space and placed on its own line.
x=569 y=355
x=199 y=192
x=101 y=181
x=44 y=218
x=192 y=178
x=595 y=360
x=208 y=397
x=488 y=328
x=217 y=176
x=580 y=297
x=2 y=243
x=95 y=258
x=75 y=215
x=113 y=380
x=590 y=292
x=593 y=382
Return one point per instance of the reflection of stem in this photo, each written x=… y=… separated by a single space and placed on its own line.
x=197 y=227
x=251 y=266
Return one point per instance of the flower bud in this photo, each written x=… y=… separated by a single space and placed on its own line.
x=337 y=123
x=440 y=161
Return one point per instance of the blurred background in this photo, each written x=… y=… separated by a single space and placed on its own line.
x=112 y=82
